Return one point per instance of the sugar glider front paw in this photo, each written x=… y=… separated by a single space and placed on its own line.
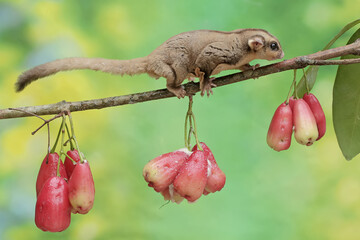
x=206 y=86
x=178 y=91
x=249 y=67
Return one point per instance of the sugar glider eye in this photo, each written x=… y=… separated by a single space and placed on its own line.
x=274 y=46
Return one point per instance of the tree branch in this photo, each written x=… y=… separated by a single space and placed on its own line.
x=331 y=62
x=191 y=88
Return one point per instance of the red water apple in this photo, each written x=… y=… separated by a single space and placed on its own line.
x=48 y=169
x=53 y=210
x=281 y=128
x=69 y=164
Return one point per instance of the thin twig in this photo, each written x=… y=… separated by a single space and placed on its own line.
x=35 y=115
x=191 y=87
x=27 y=112
x=46 y=122
x=48 y=147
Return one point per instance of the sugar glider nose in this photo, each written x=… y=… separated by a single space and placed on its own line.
x=282 y=55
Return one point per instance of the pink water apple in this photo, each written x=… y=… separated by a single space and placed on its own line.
x=216 y=177
x=318 y=112
x=191 y=180
x=162 y=170
x=306 y=131
x=81 y=188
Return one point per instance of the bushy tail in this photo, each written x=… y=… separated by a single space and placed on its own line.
x=128 y=67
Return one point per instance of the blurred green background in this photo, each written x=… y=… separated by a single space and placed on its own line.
x=302 y=193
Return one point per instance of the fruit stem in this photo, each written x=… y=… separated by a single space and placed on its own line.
x=57 y=138
x=66 y=155
x=293 y=84
x=185 y=131
x=62 y=143
x=295 y=87
x=48 y=146
x=70 y=137
x=306 y=82
x=189 y=137
x=191 y=130
x=195 y=134
x=190 y=117
x=74 y=138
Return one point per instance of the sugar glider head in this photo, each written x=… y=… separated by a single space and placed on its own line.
x=264 y=45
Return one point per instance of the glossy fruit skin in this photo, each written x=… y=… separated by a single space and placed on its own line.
x=216 y=177
x=70 y=165
x=191 y=180
x=304 y=122
x=81 y=188
x=53 y=210
x=162 y=170
x=291 y=102
x=281 y=128
x=318 y=112
x=48 y=169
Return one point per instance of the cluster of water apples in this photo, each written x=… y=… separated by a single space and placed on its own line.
x=183 y=174
x=62 y=188
x=304 y=116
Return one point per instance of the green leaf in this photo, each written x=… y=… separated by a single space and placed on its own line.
x=311 y=72
x=346 y=106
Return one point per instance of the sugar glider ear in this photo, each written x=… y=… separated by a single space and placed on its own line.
x=256 y=42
